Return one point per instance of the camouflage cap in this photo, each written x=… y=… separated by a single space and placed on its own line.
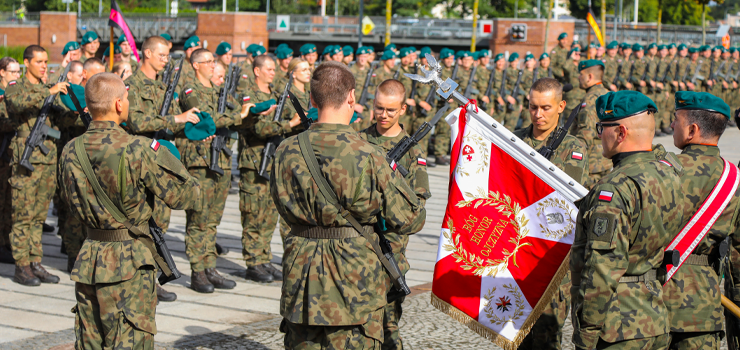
x=513 y=57
x=388 y=55
x=193 y=41
x=307 y=49
x=544 y=55
x=701 y=101
x=498 y=57
x=348 y=50
x=405 y=52
x=89 y=37
x=612 y=45
x=78 y=91
x=204 y=128
x=223 y=48
x=363 y=50
x=116 y=50
x=528 y=57
x=562 y=36
x=166 y=36
x=445 y=52
x=623 y=104
x=589 y=63
x=70 y=46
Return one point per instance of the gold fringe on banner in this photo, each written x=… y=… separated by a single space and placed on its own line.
x=491 y=335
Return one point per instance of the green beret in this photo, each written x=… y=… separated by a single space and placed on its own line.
x=193 y=41
x=327 y=50
x=70 y=46
x=484 y=53
x=720 y=48
x=258 y=50
x=370 y=48
x=693 y=50
x=166 y=36
x=612 y=45
x=284 y=52
x=79 y=92
x=2 y=92
x=445 y=52
x=426 y=50
x=405 y=52
x=223 y=48
x=575 y=49
x=623 y=104
x=390 y=47
x=89 y=37
x=625 y=46
x=347 y=50
x=528 y=57
x=733 y=49
x=562 y=36
x=637 y=47
x=589 y=63
x=593 y=46
x=116 y=50
x=652 y=45
x=513 y=57
x=682 y=47
x=170 y=147
x=464 y=53
x=307 y=49
x=205 y=127
x=705 y=48
x=388 y=55
x=672 y=45
x=282 y=45
x=662 y=47
x=498 y=57
x=412 y=48
x=362 y=50
x=702 y=101
x=544 y=55
x=574 y=44
x=263 y=106
x=121 y=39
x=250 y=48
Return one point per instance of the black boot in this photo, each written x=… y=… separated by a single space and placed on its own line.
x=260 y=274
x=43 y=275
x=667 y=131
x=47 y=228
x=276 y=274
x=658 y=133
x=24 y=275
x=71 y=263
x=221 y=250
x=199 y=282
x=163 y=295
x=219 y=281
x=63 y=249
x=6 y=256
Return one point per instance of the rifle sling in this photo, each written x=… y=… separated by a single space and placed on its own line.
x=113 y=209
x=309 y=156
x=571 y=118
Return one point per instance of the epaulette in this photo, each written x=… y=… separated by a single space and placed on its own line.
x=671 y=158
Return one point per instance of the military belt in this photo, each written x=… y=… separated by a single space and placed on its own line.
x=120 y=235
x=698 y=260
x=319 y=232
x=646 y=277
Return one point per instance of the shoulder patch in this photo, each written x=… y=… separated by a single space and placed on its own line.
x=12 y=83
x=576 y=156
x=244 y=76
x=606 y=196
x=602 y=229
x=154 y=145
x=128 y=87
x=246 y=98
x=666 y=162
x=374 y=75
x=421 y=161
x=188 y=91
x=177 y=68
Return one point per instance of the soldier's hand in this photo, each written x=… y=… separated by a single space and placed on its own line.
x=245 y=109
x=660 y=86
x=642 y=83
x=613 y=87
x=734 y=85
x=628 y=86
x=209 y=138
x=710 y=83
x=485 y=99
x=272 y=108
x=690 y=86
x=410 y=102
x=295 y=121
x=61 y=87
x=425 y=105
x=510 y=100
x=359 y=108
x=188 y=116
x=652 y=83
x=675 y=84
x=66 y=60
x=724 y=85
x=500 y=100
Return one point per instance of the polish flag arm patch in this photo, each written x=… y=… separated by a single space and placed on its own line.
x=576 y=156
x=244 y=76
x=188 y=91
x=12 y=82
x=154 y=145
x=246 y=98
x=606 y=196
x=421 y=161
x=665 y=162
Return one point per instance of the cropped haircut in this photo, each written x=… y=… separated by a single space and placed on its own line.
x=74 y=65
x=100 y=92
x=119 y=66
x=331 y=82
x=6 y=61
x=90 y=62
x=198 y=54
x=31 y=51
x=392 y=87
x=711 y=124
x=548 y=84
x=597 y=71
x=151 y=42
x=260 y=61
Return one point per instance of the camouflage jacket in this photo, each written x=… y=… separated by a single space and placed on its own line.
x=289 y=111
x=343 y=276
x=571 y=156
x=193 y=153
x=6 y=125
x=624 y=223
x=611 y=64
x=281 y=78
x=693 y=294
x=187 y=76
x=463 y=79
x=360 y=75
x=558 y=56
x=570 y=70
x=150 y=171
x=146 y=97
x=379 y=76
x=247 y=78
x=254 y=134
x=585 y=130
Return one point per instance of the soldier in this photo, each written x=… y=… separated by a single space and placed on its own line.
x=127 y=53
x=702 y=75
x=91 y=67
x=639 y=69
x=386 y=133
x=611 y=65
x=187 y=76
x=546 y=105
x=513 y=105
x=284 y=57
x=495 y=102
x=387 y=69
x=660 y=89
x=116 y=299
x=336 y=54
x=258 y=214
x=590 y=74
x=527 y=81
x=624 y=223
x=360 y=72
x=694 y=82
x=10 y=70
x=71 y=52
x=358 y=300
x=559 y=55
x=308 y=53
x=442 y=130
x=116 y=55
x=168 y=38
x=407 y=55
x=90 y=45
x=224 y=53
x=423 y=91
x=349 y=54
x=693 y=295
x=391 y=47
x=31 y=191
x=570 y=76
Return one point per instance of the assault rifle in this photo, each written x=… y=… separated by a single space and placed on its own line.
x=559 y=134
x=488 y=91
x=84 y=116
x=402 y=147
x=269 y=151
x=164 y=252
x=616 y=77
x=236 y=73
x=632 y=70
x=430 y=99
x=40 y=130
x=696 y=73
x=220 y=143
x=397 y=73
x=412 y=95
x=169 y=95
x=644 y=73
x=685 y=73
x=6 y=137
x=502 y=90
x=535 y=73
x=711 y=72
x=167 y=74
x=718 y=72
x=363 y=97
x=665 y=74
x=469 y=87
x=515 y=91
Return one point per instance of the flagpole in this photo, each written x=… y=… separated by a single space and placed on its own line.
x=588 y=38
x=475 y=26
x=110 y=57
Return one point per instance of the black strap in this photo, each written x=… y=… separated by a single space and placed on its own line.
x=313 y=166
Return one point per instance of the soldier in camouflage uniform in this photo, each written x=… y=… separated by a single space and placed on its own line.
x=90 y=45
x=693 y=295
x=624 y=223
x=386 y=133
x=693 y=81
x=570 y=76
x=187 y=76
x=559 y=55
x=387 y=70
x=513 y=104
x=442 y=130
x=408 y=119
x=527 y=81
x=360 y=71
x=10 y=70
x=546 y=106
x=611 y=65
x=658 y=84
x=495 y=101
x=32 y=191
x=370 y=192
x=258 y=214
x=200 y=237
x=422 y=92
x=702 y=81
x=284 y=55
x=115 y=271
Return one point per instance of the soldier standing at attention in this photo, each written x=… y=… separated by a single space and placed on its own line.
x=570 y=76
x=31 y=191
x=527 y=79
x=10 y=70
x=258 y=214
x=359 y=71
x=187 y=76
x=308 y=52
x=624 y=224
x=369 y=192
x=116 y=298
x=349 y=54
x=546 y=105
x=693 y=295
x=127 y=53
x=195 y=148
x=442 y=130
x=611 y=64
x=408 y=55
x=284 y=56
x=584 y=128
x=559 y=55
x=90 y=45
x=386 y=133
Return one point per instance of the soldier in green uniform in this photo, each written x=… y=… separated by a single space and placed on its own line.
x=701 y=78
x=387 y=70
x=386 y=133
x=442 y=130
x=693 y=295
x=360 y=72
x=369 y=193
x=10 y=70
x=590 y=80
x=224 y=55
x=495 y=101
x=127 y=53
x=308 y=52
x=422 y=92
x=258 y=214
x=611 y=64
x=513 y=105
x=31 y=191
x=284 y=57
x=559 y=55
x=90 y=45
x=639 y=69
x=546 y=106
x=115 y=271
x=407 y=56
x=627 y=64
x=570 y=76
x=527 y=81
x=624 y=224
x=349 y=54
x=194 y=145
x=187 y=76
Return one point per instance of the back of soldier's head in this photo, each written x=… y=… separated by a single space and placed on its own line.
x=75 y=66
x=331 y=84
x=101 y=92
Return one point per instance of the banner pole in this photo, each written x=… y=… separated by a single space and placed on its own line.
x=110 y=56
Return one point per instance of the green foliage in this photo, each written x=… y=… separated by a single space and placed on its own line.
x=13 y=51
x=728 y=7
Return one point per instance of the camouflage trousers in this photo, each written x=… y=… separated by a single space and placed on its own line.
x=304 y=337
x=653 y=343
x=695 y=341
x=117 y=315
x=31 y=193
x=511 y=118
x=200 y=239
x=524 y=116
x=6 y=222
x=392 y=336
x=259 y=217
x=547 y=332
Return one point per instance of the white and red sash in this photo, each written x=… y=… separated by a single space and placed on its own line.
x=705 y=217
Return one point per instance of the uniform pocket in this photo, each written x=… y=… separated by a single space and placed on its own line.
x=248 y=199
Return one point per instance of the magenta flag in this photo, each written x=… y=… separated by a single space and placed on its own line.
x=116 y=20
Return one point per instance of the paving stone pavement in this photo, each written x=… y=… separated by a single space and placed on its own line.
x=247 y=316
